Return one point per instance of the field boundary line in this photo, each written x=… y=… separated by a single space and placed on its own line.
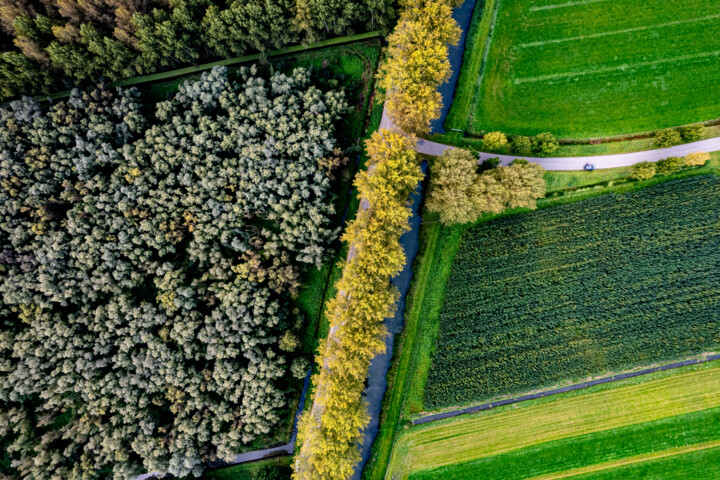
x=617 y=32
x=563 y=5
x=556 y=76
x=565 y=389
x=635 y=459
x=477 y=93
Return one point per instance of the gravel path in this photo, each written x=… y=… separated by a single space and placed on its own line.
x=569 y=388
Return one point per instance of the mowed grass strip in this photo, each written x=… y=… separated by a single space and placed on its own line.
x=593 y=452
x=702 y=464
x=580 y=290
x=527 y=424
x=592 y=69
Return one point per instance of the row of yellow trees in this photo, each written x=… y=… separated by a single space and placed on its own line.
x=330 y=431
x=416 y=64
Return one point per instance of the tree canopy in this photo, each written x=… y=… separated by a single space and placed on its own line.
x=417 y=63
x=459 y=194
x=58 y=42
x=330 y=431
x=147 y=265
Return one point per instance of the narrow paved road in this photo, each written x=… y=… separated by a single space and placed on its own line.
x=576 y=163
x=569 y=388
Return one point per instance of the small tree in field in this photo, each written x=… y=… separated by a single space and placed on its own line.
x=643 y=171
x=696 y=159
x=494 y=141
x=452 y=187
x=544 y=143
x=522 y=146
x=667 y=138
x=692 y=133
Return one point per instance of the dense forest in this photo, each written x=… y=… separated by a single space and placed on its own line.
x=147 y=265
x=53 y=44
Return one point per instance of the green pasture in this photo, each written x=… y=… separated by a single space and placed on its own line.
x=589 y=429
x=603 y=450
x=592 y=68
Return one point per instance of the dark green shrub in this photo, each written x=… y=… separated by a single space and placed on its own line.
x=667 y=138
x=670 y=165
x=692 y=133
x=274 y=472
x=521 y=145
x=544 y=143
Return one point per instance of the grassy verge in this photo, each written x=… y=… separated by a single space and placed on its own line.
x=431 y=242
x=247 y=471
x=472 y=65
x=351 y=62
x=640 y=400
x=564 y=180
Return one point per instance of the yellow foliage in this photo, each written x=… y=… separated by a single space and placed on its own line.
x=417 y=63
x=696 y=159
x=132 y=174
x=459 y=195
x=330 y=431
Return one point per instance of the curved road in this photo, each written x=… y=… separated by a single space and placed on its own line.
x=576 y=163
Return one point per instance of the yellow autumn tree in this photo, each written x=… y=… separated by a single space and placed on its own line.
x=330 y=431
x=458 y=194
x=417 y=63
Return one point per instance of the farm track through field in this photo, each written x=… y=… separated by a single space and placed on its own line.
x=563 y=5
x=617 y=32
x=623 y=68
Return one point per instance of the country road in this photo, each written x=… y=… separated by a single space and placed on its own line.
x=427 y=147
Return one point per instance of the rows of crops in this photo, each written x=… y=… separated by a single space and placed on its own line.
x=582 y=289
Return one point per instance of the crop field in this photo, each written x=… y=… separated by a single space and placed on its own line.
x=589 y=68
x=659 y=426
x=578 y=290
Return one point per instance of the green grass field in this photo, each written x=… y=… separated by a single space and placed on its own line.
x=579 y=290
x=634 y=425
x=592 y=68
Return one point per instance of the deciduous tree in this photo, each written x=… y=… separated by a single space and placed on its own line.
x=417 y=63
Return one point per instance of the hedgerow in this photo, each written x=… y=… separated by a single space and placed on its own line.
x=578 y=290
x=147 y=265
